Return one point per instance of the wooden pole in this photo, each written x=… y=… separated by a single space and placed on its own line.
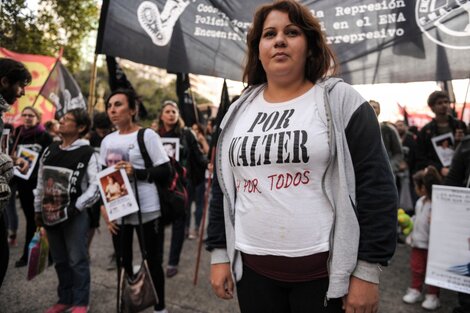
x=465 y=99
x=203 y=220
x=91 y=96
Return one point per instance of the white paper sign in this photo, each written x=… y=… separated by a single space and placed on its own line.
x=444 y=147
x=31 y=157
x=116 y=192
x=449 y=242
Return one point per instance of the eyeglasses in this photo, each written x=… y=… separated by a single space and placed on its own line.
x=28 y=115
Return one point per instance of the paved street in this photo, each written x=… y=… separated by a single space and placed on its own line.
x=18 y=295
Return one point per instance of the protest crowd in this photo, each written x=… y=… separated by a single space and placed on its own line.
x=266 y=172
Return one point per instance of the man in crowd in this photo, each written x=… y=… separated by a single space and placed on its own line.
x=442 y=123
x=14 y=77
x=390 y=139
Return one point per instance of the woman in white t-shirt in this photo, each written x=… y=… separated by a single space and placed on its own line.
x=309 y=199
x=121 y=108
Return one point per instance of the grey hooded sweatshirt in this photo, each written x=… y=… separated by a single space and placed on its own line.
x=364 y=201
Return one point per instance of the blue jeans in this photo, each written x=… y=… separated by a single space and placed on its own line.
x=199 y=193
x=68 y=245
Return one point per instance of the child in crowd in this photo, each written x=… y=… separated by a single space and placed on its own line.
x=419 y=239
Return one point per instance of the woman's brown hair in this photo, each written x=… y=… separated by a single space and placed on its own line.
x=321 y=60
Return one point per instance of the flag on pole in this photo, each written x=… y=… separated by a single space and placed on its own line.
x=118 y=80
x=63 y=91
x=186 y=102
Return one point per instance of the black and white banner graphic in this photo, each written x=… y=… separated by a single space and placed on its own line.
x=376 y=41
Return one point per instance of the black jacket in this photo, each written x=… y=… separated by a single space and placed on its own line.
x=425 y=153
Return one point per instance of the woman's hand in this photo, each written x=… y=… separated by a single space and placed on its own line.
x=22 y=165
x=221 y=280
x=363 y=297
x=127 y=166
x=112 y=226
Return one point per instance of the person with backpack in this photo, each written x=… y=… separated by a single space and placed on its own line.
x=190 y=156
x=121 y=107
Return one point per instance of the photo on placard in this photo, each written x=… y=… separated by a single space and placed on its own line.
x=444 y=147
x=55 y=198
x=172 y=147
x=113 y=185
x=31 y=157
x=116 y=192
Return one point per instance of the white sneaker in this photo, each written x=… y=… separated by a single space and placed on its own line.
x=431 y=302
x=412 y=296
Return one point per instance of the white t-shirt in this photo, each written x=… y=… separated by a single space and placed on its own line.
x=279 y=154
x=116 y=147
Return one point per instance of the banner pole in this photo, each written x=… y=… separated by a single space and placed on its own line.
x=465 y=99
x=91 y=95
x=203 y=220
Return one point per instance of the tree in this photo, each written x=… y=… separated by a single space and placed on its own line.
x=55 y=24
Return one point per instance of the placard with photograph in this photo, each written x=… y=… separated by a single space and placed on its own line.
x=116 y=192
x=172 y=147
x=5 y=141
x=31 y=157
x=449 y=241
x=56 y=183
x=444 y=147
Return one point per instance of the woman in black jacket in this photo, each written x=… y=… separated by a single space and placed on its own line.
x=31 y=135
x=190 y=156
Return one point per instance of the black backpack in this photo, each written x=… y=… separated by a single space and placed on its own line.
x=173 y=195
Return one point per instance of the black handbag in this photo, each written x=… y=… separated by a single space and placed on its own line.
x=136 y=292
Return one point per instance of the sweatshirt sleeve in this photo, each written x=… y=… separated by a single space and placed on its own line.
x=91 y=194
x=376 y=193
x=216 y=227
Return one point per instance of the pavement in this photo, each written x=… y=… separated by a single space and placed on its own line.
x=17 y=295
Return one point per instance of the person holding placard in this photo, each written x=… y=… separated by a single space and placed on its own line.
x=121 y=107
x=33 y=136
x=459 y=176
x=14 y=77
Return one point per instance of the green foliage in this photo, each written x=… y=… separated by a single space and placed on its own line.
x=152 y=94
x=57 y=23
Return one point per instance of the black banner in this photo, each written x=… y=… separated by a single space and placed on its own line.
x=118 y=80
x=376 y=41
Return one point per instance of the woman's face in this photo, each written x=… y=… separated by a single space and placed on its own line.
x=29 y=118
x=68 y=125
x=169 y=116
x=283 y=47
x=118 y=110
